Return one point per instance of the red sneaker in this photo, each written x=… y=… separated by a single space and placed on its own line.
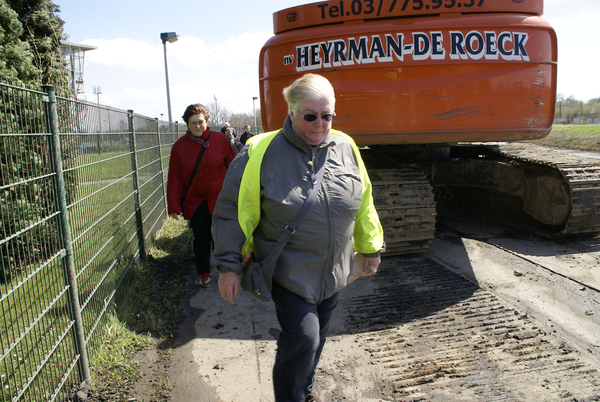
x=205 y=280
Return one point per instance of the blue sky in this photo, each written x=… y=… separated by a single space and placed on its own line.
x=219 y=43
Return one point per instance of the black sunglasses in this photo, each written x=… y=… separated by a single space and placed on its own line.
x=313 y=117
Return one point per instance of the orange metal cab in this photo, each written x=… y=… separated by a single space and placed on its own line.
x=488 y=74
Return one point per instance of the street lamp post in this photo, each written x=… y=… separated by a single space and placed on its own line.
x=216 y=121
x=254 y=98
x=168 y=37
x=559 y=99
x=97 y=92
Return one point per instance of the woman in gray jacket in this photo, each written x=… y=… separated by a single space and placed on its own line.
x=315 y=262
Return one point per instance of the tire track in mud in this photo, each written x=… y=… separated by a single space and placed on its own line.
x=436 y=337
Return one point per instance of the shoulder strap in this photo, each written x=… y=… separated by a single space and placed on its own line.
x=202 y=148
x=293 y=225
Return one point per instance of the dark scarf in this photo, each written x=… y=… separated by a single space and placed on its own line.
x=200 y=141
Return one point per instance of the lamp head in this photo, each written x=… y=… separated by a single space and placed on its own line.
x=169 y=37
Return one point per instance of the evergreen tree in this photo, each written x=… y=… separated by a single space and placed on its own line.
x=30 y=53
x=16 y=59
x=42 y=29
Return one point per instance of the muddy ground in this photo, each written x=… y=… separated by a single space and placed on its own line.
x=488 y=313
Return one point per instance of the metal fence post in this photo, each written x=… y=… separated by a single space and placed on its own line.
x=80 y=344
x=162 y=172
x=136 y=186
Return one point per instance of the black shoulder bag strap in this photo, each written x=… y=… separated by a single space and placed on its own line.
x=293 y=225
x=183 y=193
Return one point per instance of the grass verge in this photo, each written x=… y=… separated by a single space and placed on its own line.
x=150 y=311
x=579 y=137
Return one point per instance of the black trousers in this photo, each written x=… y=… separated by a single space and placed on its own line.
x=201 y=223
x=303 y=334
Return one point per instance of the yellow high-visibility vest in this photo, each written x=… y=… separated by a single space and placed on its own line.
x=368 y=233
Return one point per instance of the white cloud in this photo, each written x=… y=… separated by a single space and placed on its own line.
x=576 y=29
x=561 y=10
x=132 y=76
x=189 y=52
x=249 y=44
x=125 y=53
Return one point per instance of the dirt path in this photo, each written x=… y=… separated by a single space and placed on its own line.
x=487 y=314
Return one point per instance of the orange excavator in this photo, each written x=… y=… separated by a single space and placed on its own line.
x=434 y=92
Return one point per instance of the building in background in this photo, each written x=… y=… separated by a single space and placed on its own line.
x=74 y=53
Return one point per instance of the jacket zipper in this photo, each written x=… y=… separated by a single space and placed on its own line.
x=313 y=175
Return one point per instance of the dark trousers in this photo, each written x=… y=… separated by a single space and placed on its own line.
x=201 y=223
x=304 y=328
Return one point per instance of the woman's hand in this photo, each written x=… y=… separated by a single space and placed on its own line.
x=174 y=216
x=371 y=262
x=229 y=283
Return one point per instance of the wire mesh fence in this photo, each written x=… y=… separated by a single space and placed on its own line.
x=82 y=193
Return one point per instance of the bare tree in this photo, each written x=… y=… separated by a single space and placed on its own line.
x=239 y=120
x=218 y=113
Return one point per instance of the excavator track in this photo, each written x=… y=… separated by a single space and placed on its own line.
x=582 y=175
x=559 y=193
x=404 y=200
x=531 y=187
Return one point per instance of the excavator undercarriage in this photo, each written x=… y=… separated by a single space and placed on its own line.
x=533 y=188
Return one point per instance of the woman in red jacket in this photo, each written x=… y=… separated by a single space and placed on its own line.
x=200 y=191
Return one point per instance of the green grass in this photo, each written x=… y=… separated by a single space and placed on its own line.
x=104 y=166
x=150 y=309
x=106 y=196
x=112 y=363
x=579 y=137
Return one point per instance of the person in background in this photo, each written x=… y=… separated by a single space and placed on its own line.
x=265 y=187
x=201 y=194
x=246 y=134
x=233 y=130
x=236 y=145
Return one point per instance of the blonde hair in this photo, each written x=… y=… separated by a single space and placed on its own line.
x=308 y=87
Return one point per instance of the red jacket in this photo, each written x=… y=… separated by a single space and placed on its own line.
x=208 y=180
